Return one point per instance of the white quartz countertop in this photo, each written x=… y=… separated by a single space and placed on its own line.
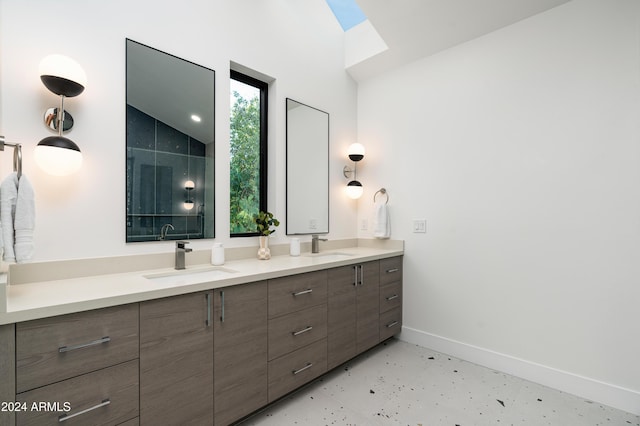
x=42 y=299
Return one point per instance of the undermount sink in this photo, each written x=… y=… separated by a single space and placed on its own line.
x=191 y=276
x=330 y=255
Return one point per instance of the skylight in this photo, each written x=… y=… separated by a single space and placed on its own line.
x=347 y=12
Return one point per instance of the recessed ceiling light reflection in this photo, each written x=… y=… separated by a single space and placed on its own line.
x=196 y=118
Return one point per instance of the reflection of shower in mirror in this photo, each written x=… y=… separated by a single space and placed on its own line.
x=170 y=146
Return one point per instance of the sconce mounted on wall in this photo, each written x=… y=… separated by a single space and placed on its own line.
x=188 y=204
x=57 y=155
x=354 y=187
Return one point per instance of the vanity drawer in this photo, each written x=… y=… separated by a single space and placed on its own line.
x=107 y=396
x=390 y=296
x=297 y=292
x=297 y=368
x=290 y=332
x=53 y=349
x=390 y=270
x=390 y=323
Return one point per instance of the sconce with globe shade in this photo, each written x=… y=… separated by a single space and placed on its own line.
x=58 y=155
x=354 y=188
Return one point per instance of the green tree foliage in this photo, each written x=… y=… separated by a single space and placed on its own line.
x=245 y=164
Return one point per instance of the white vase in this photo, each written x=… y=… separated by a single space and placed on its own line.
x=263 y=252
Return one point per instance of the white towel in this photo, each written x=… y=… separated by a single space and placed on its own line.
x=8 y=199
x=25 y=221
x=382 y=225
x=17 y=215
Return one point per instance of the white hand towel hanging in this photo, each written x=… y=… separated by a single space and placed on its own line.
x=17 y=215
x=8 y=199
x=24 y=221
x=382 y=221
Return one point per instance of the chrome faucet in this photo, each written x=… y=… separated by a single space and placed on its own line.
x=180 y=252
x=315 y=243
x=165 y=230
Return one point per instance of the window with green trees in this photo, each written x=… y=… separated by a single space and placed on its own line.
x=248 y=155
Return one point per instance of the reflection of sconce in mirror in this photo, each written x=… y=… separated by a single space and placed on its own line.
x=354 y=187
x=188 y=204
x=63 y=76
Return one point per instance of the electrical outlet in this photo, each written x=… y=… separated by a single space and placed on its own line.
x=364 y=224
x=420 y=226
x=313 y=223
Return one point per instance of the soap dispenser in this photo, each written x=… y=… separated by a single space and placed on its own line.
x=217 y=254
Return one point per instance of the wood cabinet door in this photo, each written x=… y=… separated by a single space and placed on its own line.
x=341 y=315
x=240 y=351
x=176 y=360
x=368 y=306
x=7 y=371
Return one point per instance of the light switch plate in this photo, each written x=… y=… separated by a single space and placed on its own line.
x=419 y=226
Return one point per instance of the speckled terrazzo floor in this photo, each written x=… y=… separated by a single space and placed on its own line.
x=402 y=384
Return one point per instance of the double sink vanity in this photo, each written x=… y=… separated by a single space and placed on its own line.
x=123 y=341
x=130 y=340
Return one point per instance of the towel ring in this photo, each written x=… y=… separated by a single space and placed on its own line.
x=383 y=192
x=17 y=155
x=17 y=160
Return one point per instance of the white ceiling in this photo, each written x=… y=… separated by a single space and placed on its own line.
x=413 y=29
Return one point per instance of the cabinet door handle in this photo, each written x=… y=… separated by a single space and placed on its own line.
x=63 y=349
x=208 y=321
x=66 y=417
x=304 y=330
x=309 y=365
x=300 y=293
x=361 y=274
x=392 y=324
x=395 y=296
x=391 y=271
x=221 y=306
x=355 y=277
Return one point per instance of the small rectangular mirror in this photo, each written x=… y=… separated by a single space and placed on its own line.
x=307 y=169
x=170 y=147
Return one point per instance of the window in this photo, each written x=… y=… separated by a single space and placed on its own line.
x=248 y=155
x=347 y=12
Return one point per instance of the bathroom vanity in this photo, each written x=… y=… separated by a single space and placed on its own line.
x=130 y=348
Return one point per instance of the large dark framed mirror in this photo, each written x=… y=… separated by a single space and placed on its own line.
x=170 y=146
x=307 y=169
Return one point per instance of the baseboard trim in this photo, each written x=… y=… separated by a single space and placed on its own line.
x=614 y=396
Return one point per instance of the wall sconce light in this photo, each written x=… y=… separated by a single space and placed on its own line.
x=57 y=155
x=189 y=204
x=354 y=188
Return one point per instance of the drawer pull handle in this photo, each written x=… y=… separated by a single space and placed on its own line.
x=390 y=298
x=390 y=271
x=309 y=365
x=221 y=306
x=208 y=320
x=304 y=330
x=64 y=349
x=392 y=324
x=66 y=417
x=300 y=293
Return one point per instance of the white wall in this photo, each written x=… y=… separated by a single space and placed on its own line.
x=521 y=149
x=299 y=45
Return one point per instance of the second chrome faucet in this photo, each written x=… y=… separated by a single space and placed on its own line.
x=315 y=243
